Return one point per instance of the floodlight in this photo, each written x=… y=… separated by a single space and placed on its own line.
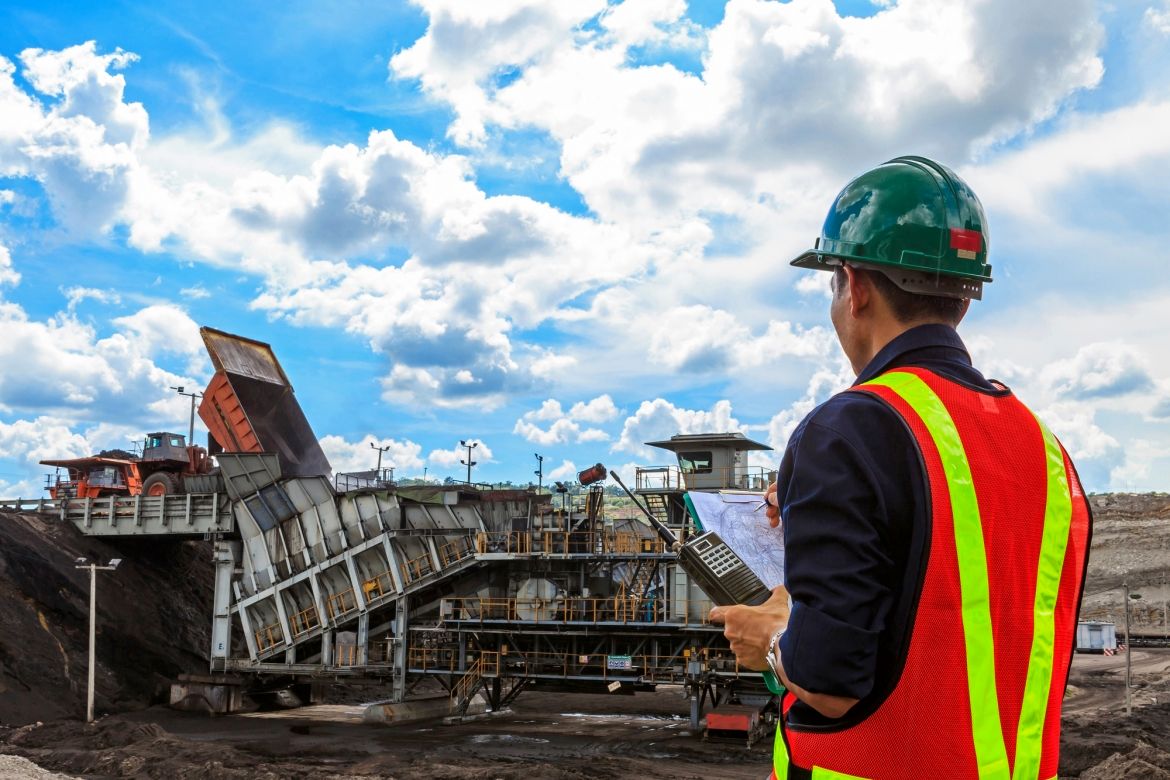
x=80 y=560
x=115 y=561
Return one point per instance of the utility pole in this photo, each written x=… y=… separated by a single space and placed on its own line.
x=1128 y=651
x=191 y=428
x=93 y=570
x=539 y=472
x=378 y=470
x=469 y=462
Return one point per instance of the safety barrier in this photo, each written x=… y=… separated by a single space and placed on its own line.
x=728 y=477
x=568 y=543
x=417 y=568
x=268 y=637
x=339 y=604
x=29 y=505
x=378 y=586
x=648 y=668
x=576 y=609
x=304 y=621
x=456 y=550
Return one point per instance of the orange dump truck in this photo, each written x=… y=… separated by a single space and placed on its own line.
x=249 y=406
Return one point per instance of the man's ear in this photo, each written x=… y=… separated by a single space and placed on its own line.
x=860 y=291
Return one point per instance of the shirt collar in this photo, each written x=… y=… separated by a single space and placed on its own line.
x=918 y=337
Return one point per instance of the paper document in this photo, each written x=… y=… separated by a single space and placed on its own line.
x=740 y=521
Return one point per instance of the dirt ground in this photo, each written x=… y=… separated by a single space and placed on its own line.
x=544 y=736
x=154 y=626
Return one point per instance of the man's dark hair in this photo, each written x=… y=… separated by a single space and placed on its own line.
x=908 y=306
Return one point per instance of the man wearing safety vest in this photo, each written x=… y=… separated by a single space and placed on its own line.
x=936 y=531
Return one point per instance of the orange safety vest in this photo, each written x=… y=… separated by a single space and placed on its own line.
x=979 y=696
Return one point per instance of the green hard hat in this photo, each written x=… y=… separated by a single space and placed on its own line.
x=915 y=221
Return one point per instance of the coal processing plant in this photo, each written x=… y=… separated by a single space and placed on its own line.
x=481 y=592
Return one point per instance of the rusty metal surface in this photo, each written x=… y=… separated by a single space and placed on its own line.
x=250 y=406
x=243 y=356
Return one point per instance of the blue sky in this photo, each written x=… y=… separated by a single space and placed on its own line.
x=560 y=228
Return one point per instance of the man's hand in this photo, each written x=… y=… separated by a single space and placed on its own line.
x=750 y=629
x=773 y=510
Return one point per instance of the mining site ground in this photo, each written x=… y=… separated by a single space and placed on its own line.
x=154 y=624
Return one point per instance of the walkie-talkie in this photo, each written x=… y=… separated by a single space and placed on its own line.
x=710 y=563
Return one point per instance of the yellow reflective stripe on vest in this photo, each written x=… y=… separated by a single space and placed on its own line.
x=990 y=750
x=1057 y=520
x=780 y=750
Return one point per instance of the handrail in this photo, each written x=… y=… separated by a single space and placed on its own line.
x=268 y=637
x=546 y=542
x=378 y=586
x=456 y=550
x=27 y=504
x=651 y=668
x=417 y=568
x=337 y=604
x=726 y=477
x=304 y=621
x=577 y=609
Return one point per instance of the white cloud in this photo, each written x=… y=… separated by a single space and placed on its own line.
x=565 y=428
x=8 y=274
x=1141 y=455
x=600 y=409
x=824 y=383
x=502 y=34
x=481 y=453
x=660 y=419
x=1158 y=19
x=195 y=293
x=638 y=139
x=346 y=456
x=76 y=295
x=69 y=372
x=77 y=137
x=702 y=339
x=567 y=470
x=1099 y=370
x=42 y=438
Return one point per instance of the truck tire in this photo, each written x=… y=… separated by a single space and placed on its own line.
x=161 y=483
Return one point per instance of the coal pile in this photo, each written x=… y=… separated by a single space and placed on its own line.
x=154 y=617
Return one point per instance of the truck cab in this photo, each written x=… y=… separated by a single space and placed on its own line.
x=165 y=446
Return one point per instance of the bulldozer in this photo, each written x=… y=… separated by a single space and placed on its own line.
x=166 y=459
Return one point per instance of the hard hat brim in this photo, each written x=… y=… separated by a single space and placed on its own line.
x=818 y=261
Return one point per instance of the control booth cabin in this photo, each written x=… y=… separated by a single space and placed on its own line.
x=706 y=461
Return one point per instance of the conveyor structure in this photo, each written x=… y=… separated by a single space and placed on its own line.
x=486 y=591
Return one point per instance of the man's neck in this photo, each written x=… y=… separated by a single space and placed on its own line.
x=886 y=331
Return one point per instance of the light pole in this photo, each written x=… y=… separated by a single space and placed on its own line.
x=93 y=570
x=191 y=428
x=539 y=472
x=378 y=470
x=469 y=462
x=1128 y=644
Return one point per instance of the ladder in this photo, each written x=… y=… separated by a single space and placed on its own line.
x=656 y=503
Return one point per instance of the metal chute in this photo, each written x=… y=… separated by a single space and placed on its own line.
x=249 y=406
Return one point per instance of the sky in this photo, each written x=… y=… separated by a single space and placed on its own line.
x=560 y=228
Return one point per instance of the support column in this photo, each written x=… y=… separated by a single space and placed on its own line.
x=696 y=709
x=227 y=556
x=401 y=625
x=363 y=639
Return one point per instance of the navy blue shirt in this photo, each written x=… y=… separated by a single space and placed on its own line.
x=853 y=498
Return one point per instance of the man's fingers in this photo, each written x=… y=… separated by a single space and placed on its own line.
x=717 y=614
